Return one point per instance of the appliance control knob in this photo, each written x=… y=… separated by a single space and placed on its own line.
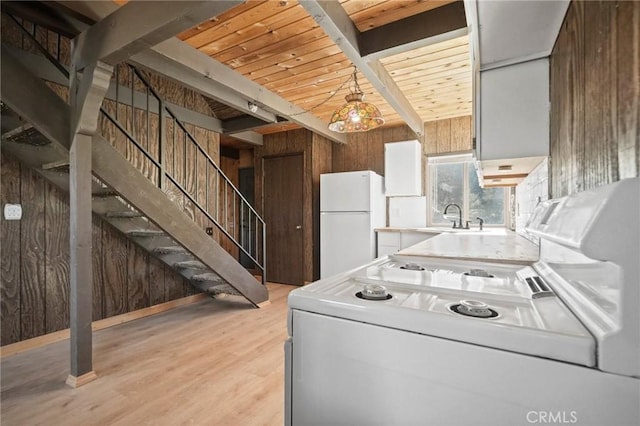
x=475 y=306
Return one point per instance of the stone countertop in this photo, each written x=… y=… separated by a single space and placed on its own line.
x=442 y=230
x=507 y=248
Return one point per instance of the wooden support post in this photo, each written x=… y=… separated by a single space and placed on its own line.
x=86 y=97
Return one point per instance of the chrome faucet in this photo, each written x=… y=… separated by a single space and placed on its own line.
x=481 y=222
x=460 y=215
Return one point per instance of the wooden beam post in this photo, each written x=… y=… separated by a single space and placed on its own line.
x=86 y=96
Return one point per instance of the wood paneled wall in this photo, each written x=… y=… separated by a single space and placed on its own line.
x=595 y=96
x=365 y=151
x=449 y=135
x=322 y=154
x=34 y=292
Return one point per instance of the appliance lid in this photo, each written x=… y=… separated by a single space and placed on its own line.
x=471 y=276
x=540 y=327
x=589 y=254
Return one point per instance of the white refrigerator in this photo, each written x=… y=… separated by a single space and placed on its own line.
x=352 y=204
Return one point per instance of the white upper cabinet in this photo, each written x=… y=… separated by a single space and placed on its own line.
x=403 y=168
x=514 y=111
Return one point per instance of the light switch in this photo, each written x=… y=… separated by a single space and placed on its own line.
x=12 y=212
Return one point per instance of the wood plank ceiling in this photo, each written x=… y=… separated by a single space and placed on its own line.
x=278 y=45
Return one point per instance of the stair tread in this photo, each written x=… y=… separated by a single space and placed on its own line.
x=223 y=289
x=190 y=264
x=170 y=250
x=125 y=214
x=145 y=233
x=207 y=276
x=26 y=134
x=104 y=193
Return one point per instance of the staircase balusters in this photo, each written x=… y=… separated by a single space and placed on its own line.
x=228 y=225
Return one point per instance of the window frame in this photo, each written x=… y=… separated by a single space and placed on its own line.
x=469 y=166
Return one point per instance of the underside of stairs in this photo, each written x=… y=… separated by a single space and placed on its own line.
x=35 y=130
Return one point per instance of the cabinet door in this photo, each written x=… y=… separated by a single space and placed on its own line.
x=514 y=107
x=403 y=168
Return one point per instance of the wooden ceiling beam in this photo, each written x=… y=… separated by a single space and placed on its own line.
x=185 y=64
x=120 y=34
x=201 y=83
x=433 y=26
x=340 y=28
x=242 y=123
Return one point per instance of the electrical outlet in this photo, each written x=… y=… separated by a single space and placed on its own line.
x=209 y=231
x=12 y=212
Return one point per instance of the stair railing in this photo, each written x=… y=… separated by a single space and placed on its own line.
x=216 y=199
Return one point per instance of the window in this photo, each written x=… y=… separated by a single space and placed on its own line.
x=453 y=180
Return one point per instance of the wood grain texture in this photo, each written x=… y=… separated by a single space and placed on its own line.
x=56 y=260
x=365 y=151
x=448 y=135
x=10 y=232
x=114 y=271
x=594 y=97
x=280 y=46
x=600 y=102
x=461 y=134
x=156 y=281
x=444 y=136
x=628 y=88
x=142 y=379
x=431 y=137
x=49 y=297
x=138 y=277
x=321 y=155
x=32 y=248
x=173 y=284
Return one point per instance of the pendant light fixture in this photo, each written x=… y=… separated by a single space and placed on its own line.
x=355 y=115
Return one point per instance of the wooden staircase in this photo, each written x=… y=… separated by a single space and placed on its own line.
x=35 y=130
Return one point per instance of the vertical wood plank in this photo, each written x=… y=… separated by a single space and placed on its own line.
x=338 y=155
x=56 y=260
x=594 y=90
x=628 y=88
x=114 y=271
x=377 y=141
x=306 y=141
x=32 y=249
x=576 y=75
x=444 y=136
x=173 y=285
x=156 y=281
x=461 y=134
x=431 y=137
x=138 y=277
x=10 y=188
x=599 y=103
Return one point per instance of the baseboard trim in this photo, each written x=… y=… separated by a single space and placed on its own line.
x=47 y=339
x=76 y=382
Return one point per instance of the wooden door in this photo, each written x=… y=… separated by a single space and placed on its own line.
x=283 y=206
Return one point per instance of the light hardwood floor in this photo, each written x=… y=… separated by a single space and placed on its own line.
x=210 y=363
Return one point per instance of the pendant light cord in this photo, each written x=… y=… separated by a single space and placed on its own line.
x=351 y=78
